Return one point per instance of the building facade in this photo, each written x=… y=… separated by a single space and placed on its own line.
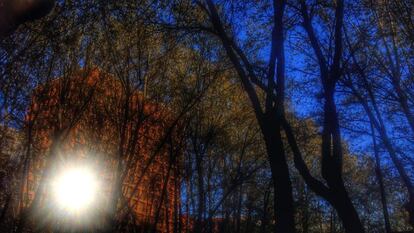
x=92 y=118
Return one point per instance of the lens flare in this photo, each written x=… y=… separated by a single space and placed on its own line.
x=75 y=190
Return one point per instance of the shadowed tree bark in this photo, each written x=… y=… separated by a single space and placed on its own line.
x=267 y=118
x=332 y=153
x=380 y=178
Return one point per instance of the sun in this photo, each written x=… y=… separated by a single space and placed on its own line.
x=75 y=190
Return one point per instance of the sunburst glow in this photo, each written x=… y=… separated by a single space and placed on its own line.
x=75 y=189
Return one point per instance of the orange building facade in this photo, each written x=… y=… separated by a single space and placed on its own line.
x=90 y=118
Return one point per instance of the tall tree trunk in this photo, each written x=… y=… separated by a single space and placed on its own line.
x=332 y=166
x=332 y=153
x=269 y=121
x=283 y=198
x=265 y=218
x=375 y=117
x=376 y=120
x=379 y=176
x=346 y=211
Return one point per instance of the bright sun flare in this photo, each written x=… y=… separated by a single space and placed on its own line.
x=75 y=189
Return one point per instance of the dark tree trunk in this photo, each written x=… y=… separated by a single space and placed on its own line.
x=377 y=122
x=265 y=217
x=283 y=198
x=346 y=211
x=332 y=154
x=269 y=121
x=380 y=178
x=332 y=167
